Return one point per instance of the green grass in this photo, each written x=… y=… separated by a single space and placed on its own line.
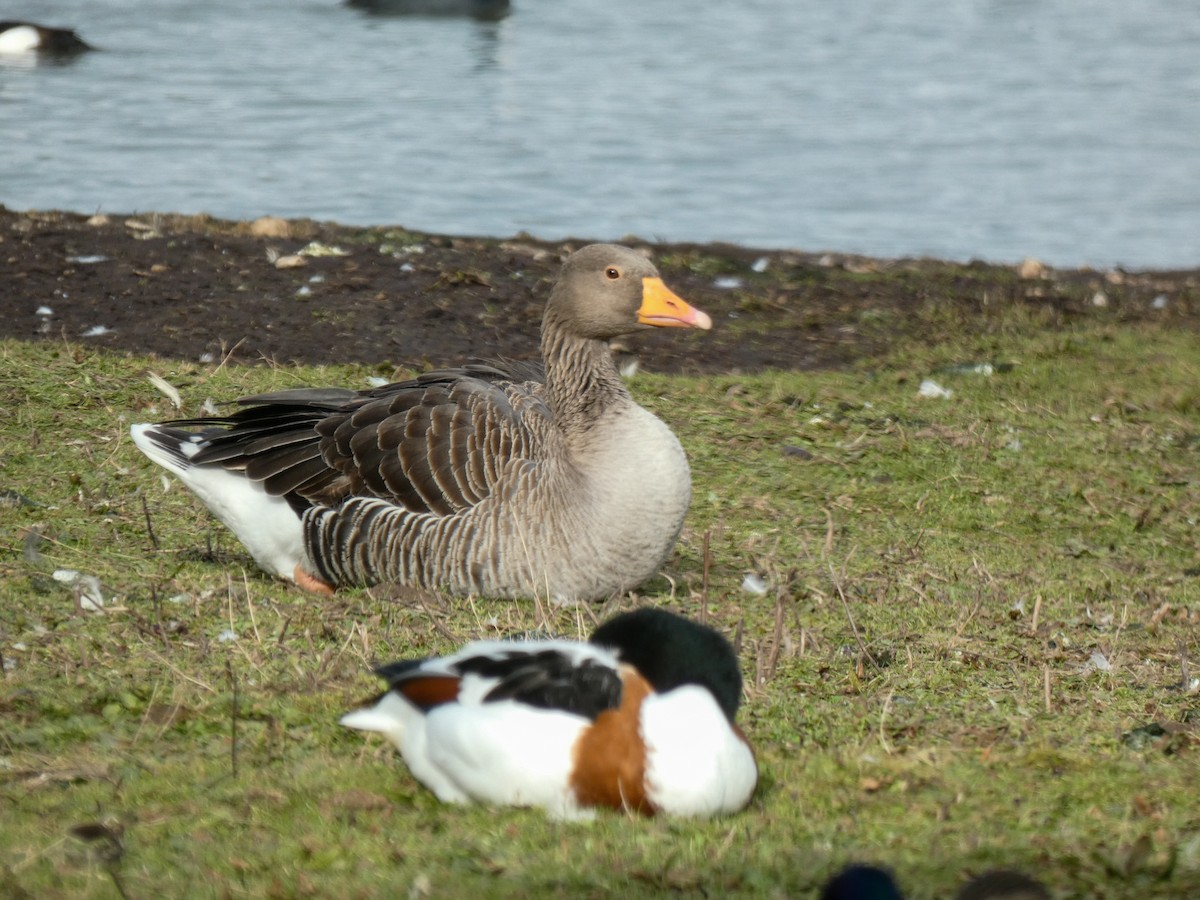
x=976 y=607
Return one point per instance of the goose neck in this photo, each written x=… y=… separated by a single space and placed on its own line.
x=581 y=378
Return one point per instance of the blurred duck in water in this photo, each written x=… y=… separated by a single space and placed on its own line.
x=26 y=37
x=488 y=10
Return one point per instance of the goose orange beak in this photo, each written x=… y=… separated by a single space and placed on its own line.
x=663 y=309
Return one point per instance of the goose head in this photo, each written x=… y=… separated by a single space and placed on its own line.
x=606 y=290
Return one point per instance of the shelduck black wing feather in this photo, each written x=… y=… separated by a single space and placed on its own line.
x=396 y=672
x=548 y=679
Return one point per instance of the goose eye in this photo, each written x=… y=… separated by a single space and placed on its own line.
x=613 y=272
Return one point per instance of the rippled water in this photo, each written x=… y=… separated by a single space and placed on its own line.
x=997 y=130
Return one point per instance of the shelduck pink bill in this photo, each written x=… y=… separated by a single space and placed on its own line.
x=639 y=718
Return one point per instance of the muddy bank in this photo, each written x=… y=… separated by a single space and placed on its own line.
x=317 y=292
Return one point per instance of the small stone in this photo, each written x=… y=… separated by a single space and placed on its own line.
x=270 y=226
x=537 y=254
x=1100 y=299
x=98 y=220
x=1031 y=268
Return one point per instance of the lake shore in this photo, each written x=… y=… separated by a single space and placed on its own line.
x=300 y=291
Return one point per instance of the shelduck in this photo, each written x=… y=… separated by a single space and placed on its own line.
x=640 y=718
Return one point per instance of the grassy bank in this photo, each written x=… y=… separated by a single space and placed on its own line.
x=976 y=647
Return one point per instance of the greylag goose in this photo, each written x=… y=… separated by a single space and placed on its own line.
x=640 y=718
x=25 y=37
x=502 y=479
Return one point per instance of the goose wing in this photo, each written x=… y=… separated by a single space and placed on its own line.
x=438 y=443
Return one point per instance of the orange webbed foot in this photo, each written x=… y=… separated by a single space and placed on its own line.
x=311 y=583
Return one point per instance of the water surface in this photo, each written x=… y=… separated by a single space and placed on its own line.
x=968 y=129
